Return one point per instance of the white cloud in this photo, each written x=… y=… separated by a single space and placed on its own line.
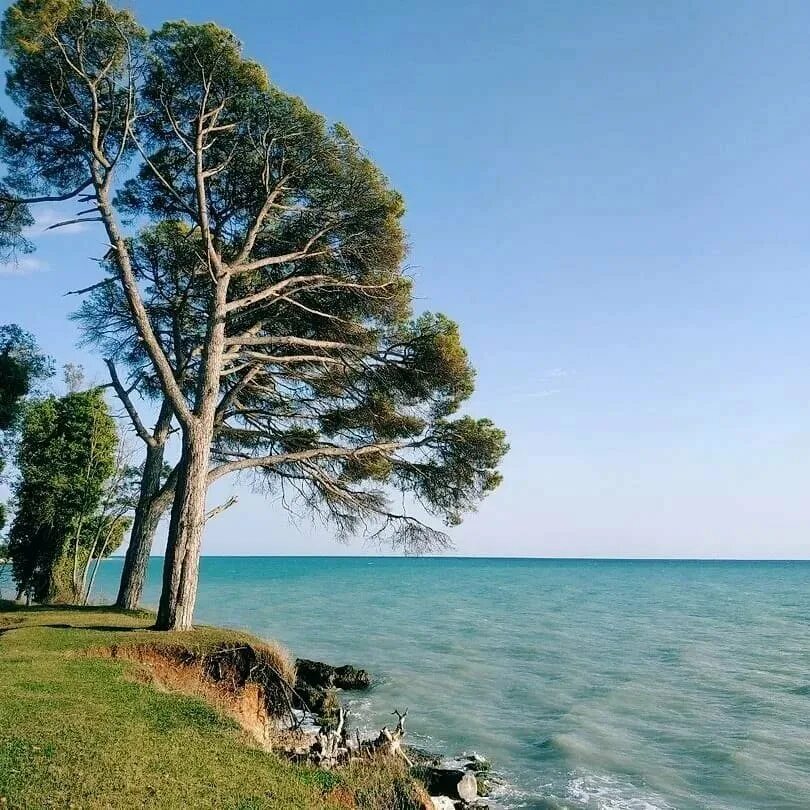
x=22 y=266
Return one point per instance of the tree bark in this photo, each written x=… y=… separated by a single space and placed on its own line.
x=152 y=505
x=182 y=562
x=148 y=512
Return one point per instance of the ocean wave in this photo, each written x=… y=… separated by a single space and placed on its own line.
x=596 y=792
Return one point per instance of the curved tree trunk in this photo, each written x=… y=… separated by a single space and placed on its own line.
x=152 y=505
x=182 y=563
x=148 y=515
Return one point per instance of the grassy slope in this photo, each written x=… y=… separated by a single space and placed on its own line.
x=81 y=731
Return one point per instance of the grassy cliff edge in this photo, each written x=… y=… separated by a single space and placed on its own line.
x=83 y=728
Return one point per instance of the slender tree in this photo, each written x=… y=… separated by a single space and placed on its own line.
x=310 y=370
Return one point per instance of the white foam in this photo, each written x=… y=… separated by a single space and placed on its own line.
x=608 y=793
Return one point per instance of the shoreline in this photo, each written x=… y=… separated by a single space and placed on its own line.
x=236 y=676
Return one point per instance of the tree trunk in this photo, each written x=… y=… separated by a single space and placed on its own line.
x=148 y=512
x=181 y=566
x=151 y=506
x=182 y=563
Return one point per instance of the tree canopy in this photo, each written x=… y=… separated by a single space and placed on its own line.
x=22 y=366
x=262 y=294
x=66 y=460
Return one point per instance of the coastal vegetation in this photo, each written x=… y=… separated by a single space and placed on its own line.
x=260 y=305
x=72 y=496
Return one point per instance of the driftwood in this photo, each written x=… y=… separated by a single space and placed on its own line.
x=330 y=747
x=388 y=743
x=333 y=747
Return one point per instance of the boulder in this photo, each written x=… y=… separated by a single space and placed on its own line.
x=325 y=676
x=349 y=677
x=481 y=768
x=314 y=673
x=442 y=803
x=456 y=783
x=323 y=703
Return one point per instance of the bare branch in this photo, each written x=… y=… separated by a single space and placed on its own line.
x=52 y=198
x=123 y=395
x=92 y=287
x=76 y=221
x=302 y=455
x=287 y=257
x=221 y=508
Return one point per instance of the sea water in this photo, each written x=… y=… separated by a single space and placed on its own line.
x=606 y=685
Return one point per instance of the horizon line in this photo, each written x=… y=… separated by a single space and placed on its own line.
x=481 y=557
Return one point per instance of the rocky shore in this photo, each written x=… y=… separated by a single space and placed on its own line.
x=459 y=784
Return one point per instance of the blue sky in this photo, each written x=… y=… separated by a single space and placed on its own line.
x=613 y=200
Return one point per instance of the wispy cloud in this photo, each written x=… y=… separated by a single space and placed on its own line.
x=544 y=385
x=22 y=266
x=542 y=394
x=46 y=217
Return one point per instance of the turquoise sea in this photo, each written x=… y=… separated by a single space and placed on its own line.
x=606 y=685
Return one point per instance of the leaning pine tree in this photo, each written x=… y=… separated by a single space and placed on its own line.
x=305 y=365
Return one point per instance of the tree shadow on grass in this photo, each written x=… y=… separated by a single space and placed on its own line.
x=104 y=628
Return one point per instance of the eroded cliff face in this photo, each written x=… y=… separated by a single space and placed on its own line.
x=253 y=684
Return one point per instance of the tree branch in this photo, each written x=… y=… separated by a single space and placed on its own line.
x=302 y=455
x=123 y=395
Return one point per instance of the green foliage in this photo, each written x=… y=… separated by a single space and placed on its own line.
x=66 y=457
x=22 y=365
x=15 y=217
x=65 y=55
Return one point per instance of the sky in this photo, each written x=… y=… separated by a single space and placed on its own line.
x=613 y=200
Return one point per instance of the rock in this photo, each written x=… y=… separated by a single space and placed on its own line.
x=324 y=676
x=349 y=677
x=314 y=673
x=323 y=703
x=456 y=783
x=468 y=787
x=316 y=682
x=477 y=764
x=442 y=803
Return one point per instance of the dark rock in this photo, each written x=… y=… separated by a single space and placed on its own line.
x=457 y=783
x=323 y=703
x=325 y=676
x=314 y=673
x=477 y=764
x=349 y=677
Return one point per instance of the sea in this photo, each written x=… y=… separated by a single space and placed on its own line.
x=588 y=684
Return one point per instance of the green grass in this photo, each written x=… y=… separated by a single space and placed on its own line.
x=80 y=730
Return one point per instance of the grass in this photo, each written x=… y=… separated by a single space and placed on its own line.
x=83 y=730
